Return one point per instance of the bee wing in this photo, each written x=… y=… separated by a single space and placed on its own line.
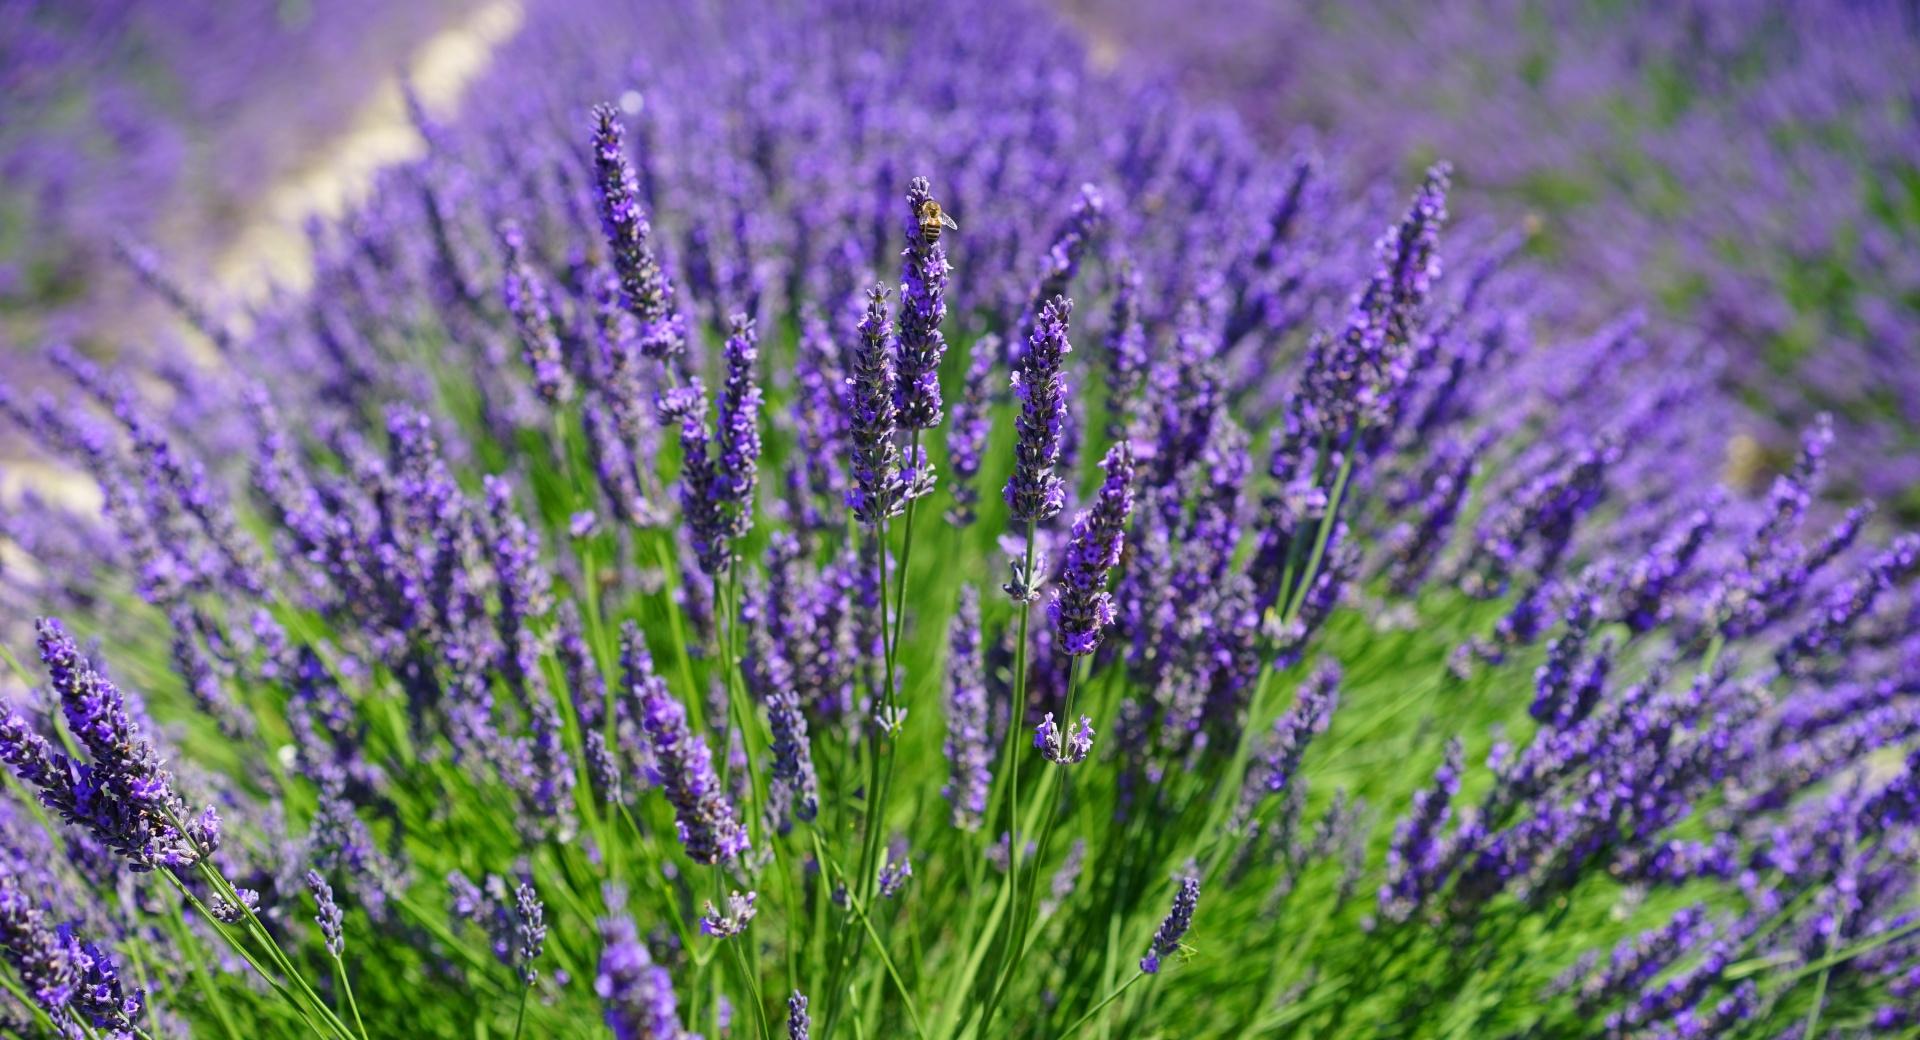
x=946 y=220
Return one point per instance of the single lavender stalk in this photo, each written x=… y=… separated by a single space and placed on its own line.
x=1034 y=494
x=792 y=755
x=526 y=298
x=967 y=439
x=1415 y=858
x=923 y=305
x=1178 y=920
x=645 y=289
x=738 y=438
x=798 y=1023
x=1126 y=358
x=969 y=744
x=707 y=824
x=1082 y=608
x=328 y=916
x=878 y=490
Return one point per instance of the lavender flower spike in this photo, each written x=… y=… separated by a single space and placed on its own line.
x=1178 y=920
x=1034 y=493
x=708 y=826
x=1415 y=858
x=329 y=916
x=878 y=491
x=526 y=298
x=797 y=1021
x=923 y=305
x=969 y=743
x=738 y=440
x=644 y=287
x=1081 y=607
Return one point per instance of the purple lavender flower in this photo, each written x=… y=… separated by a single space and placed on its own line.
x=1847 y=604
x=878 y=492
x=38 y=954
x=1063 y=748
x=1308 y=717
x=1645 y=599
x=895 y=871
x=1417 y=853
x=645 y=288
x=328 y=916
x=969 y=742
x=1356 y=379
x=529 y=930
x=1081 y=607
x=121 y=795
x=707 y=824
x=797 y=1021
x=967 y=442
x=738 y=439
x=1034 y=494
x=792 y=755
x=526 y=298
x=1126 y=358
x=923 y=306
x=636 y=993
x=740 y=910
x=1070 y=243
x=702 y=502
x=1167 y=939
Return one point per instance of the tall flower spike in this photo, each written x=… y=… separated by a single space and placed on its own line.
x=797 y=1021
x=328 y=916
x=526 y=298
x=644 y=286
x=878 y=491
x=738 y=441
x=1034 y=494
x=1174 y=927
x=969 y=742
x=923 y=305
x=792 y=754
x=1081 y=607
x=1293 y=731
x=684 y=764
x=967 y=438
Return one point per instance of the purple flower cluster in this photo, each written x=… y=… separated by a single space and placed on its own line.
x=1081 y=607
x=119 y=792
x=1034 y=493
x=683 y=765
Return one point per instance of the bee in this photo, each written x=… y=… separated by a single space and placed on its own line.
x=932 y=219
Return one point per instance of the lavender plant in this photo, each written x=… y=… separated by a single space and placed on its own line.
x=455 y=662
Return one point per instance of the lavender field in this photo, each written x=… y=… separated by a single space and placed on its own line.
x=878 y=518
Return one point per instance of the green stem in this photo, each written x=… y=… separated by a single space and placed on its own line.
x=1102 y=1006
x=520 y=1016
x=346 y=987
x=1016 y=724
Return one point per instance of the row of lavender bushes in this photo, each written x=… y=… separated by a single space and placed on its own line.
x=1747 y=171
x=663 y=581
x=164 y=121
